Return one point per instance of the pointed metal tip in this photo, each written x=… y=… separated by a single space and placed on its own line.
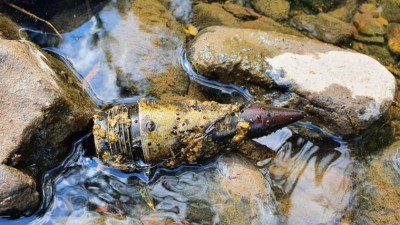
x=281 y=117
x=266 y=119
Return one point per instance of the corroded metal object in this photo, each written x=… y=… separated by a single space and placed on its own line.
x=172 y=133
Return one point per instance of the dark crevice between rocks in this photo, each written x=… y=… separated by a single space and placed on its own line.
x=47 y=145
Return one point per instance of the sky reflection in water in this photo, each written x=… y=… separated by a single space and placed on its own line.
x=113 y=51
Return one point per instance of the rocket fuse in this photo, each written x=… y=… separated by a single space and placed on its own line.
x=172 y=133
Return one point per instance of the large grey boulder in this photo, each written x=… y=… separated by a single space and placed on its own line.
x=344 y=91
x=42 y=105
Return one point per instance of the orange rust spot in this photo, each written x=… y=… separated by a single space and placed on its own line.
x=382 y=21
x=102 y=210
x=394 y=45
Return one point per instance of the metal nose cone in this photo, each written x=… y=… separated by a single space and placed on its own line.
x=265 y=119
x=280 y=117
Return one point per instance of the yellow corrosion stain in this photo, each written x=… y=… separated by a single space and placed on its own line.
x=112 y=121
x=98 y=132
x=112 y=137
x=118 y=159
x=394 y=45
x=96 y=127
x=190 y=30
x=106 y=156
x=125 y=119
x=241 y=131
x=382 y=21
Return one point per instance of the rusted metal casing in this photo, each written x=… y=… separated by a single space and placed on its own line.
x=172 y=133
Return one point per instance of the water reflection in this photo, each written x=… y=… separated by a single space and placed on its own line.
x=312 y=182
x=115 y=52
x=306 y=184
x=83 y=191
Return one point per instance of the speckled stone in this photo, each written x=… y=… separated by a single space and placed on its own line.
x=393 y=36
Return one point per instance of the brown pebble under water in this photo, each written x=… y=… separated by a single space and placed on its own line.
x=171 y=133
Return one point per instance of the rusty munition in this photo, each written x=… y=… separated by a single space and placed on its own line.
x=172 y=133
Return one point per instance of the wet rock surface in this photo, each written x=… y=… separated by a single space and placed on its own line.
x=346 y=11
x=319 y=5
x=275 y=9
x=393 y=36
x=370 y=25
x=41 y=108
x=17 y=191
x=205 y=15
x=324 y=27
x=320 y=73
x=9 y=29
x=391 y=10
x=148 y=63
x=246 y=204
x=231 y=15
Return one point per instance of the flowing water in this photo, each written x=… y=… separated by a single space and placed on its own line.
x=309 y=181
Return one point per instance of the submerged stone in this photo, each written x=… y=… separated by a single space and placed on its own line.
x=369 y=25
x=378 y=190
x=320 y=5
x=250 y=200
x=233 y=15
x=393 y=36
x=346 y=11
x=275 y=9
x=344 y=90
x=144 y=48
x=324 y=27
x=205 y=15
x=391 y=10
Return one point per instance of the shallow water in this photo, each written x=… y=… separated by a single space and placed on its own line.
x=310 y=181
x=83 y=191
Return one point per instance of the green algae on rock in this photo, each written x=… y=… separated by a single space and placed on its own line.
x=231 y=15
x=275 y=9
x=393 y=36
x=324 y=27
x=377 y=200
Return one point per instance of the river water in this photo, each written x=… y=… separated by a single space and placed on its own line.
x=311 y=181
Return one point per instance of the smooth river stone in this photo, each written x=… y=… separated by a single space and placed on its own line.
x=345 y=91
